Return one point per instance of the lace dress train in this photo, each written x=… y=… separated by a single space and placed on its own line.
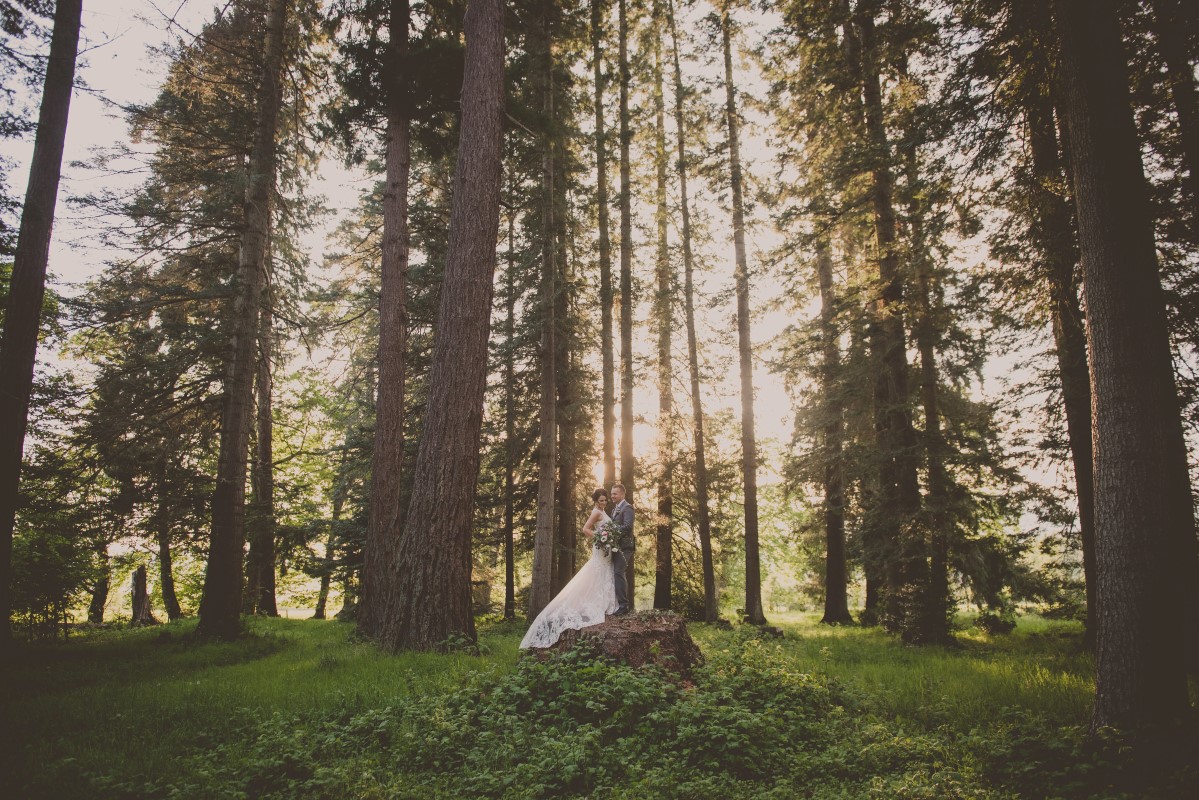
x=586 y=600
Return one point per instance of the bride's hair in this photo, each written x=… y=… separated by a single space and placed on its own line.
x=598 y=493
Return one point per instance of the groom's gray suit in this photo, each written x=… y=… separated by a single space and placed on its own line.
x=622 y=515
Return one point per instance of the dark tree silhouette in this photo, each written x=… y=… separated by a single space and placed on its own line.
x=18 y=351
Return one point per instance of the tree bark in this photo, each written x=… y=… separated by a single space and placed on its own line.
x=933 y=624
x=899 y=494
x=877 y=537
x=1053 y=231
x=836 y=573
x=510 y=426
x=166 y=573
x=387 y=462
x=664 y=561
x=1144 y=521
x=542 y=588
x=434 y=554
x=221 y=600
x=142 y=615
x=605 y=246
x=260 y=593
x=703 y=521
x=749 y=451
x=626 y=267
x=564 y=372
x=627 y=471
x=27 y=289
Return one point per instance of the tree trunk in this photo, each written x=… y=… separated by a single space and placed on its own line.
x=166 y=573
x=749 y=450
x=936 y=607
x=836 y=573
x=322 y=597
x=626 y=266
x=664 y=560
x=542 y=588
x=510 y=426
x=704 y=521
x=567 y=377
x=95 y=609
x=221 y=601
x=877 y=537
x=349 y=602
x=434 y=562
x=899 y=495
x=1172 y=27
x=1144 y=522
x=567 y=521
x=387 y=462
x=27 y=289
x=1053 y=231
x=605 y=247
x=260 y=593
x=142 y=615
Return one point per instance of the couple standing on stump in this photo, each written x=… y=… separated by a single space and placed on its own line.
x=598 y=589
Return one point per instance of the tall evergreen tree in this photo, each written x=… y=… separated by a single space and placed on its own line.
x=604 y=244
x=1144 y=517
x=663 y=308
x=434 y=555
x=223 y=579
x=627 y=473
x=749 y=450
x=703 y=514
x=386 y=520
x=544 y=550
x=836 y=603
x=18 y=349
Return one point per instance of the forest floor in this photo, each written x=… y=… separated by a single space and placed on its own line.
x=299 y=709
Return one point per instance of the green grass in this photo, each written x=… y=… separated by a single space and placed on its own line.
x=1041 y=666
x=140 y=698
x=155 y=707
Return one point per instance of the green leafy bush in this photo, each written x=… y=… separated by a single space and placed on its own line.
x=576 y=725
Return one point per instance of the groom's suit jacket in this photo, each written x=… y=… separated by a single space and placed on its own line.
x=622 y=515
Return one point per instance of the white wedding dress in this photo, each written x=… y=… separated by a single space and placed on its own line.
x=586 y=600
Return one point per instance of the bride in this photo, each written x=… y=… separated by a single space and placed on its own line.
x=587 y=599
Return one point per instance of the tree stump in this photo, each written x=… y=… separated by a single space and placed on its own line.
x=141 y=600
x=647 y=637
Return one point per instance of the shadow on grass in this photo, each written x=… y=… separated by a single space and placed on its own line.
x=139 y=655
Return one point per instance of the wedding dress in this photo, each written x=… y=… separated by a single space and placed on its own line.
x=586 y=600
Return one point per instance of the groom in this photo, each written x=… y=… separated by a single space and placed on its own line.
x=622 y=516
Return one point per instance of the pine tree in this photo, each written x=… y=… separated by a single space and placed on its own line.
x=18 y=350
x=434 y=557
x=604 y=245
x=386 y=519
x=704 y=523
x=749 y=453
x=544 y=545
x=223 y=579
x=836 y=603
x=1144 y=520
x=663 y=307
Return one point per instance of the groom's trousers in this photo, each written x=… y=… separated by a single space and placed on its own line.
x=620 y=562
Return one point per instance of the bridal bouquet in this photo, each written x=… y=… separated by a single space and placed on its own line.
x=607 y=537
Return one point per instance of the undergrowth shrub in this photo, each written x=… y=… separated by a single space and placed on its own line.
x=754 y=725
